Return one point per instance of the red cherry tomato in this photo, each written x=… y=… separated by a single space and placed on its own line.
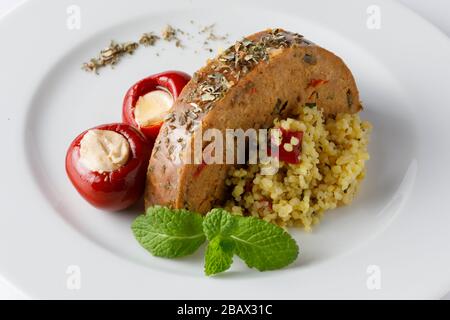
x=286 y=151
x=172 y=81
x=114 y=190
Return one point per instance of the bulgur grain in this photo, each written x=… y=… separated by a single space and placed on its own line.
x=334 y=151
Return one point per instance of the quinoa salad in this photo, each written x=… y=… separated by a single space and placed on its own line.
x=330 y=168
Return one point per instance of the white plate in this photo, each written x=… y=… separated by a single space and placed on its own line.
x=399 y=223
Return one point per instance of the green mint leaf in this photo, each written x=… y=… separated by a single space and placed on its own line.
x=219 y=255
x=169 y=233
x=218 y=225
x=263 y=245
x=219 y=222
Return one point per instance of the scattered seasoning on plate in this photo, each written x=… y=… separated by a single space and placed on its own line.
x=211 y=35
x=110 y=55
x=169 y=33
x=148 y=39
x=210 y=32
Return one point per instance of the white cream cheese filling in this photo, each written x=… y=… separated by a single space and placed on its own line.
x=152 y=107
x=104 y=150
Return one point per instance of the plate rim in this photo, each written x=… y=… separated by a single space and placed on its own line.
x=109 y=257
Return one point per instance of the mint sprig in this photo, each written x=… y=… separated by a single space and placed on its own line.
x=263 y=245
x=218 y=222
x=175 y=233
x=219 y=255
x=169 y=233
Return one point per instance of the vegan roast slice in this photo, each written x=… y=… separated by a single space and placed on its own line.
x=260 y=78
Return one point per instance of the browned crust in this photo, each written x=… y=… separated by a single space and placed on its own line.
x=285 y=76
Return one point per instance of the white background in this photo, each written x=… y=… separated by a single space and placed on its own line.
x=435 y=11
